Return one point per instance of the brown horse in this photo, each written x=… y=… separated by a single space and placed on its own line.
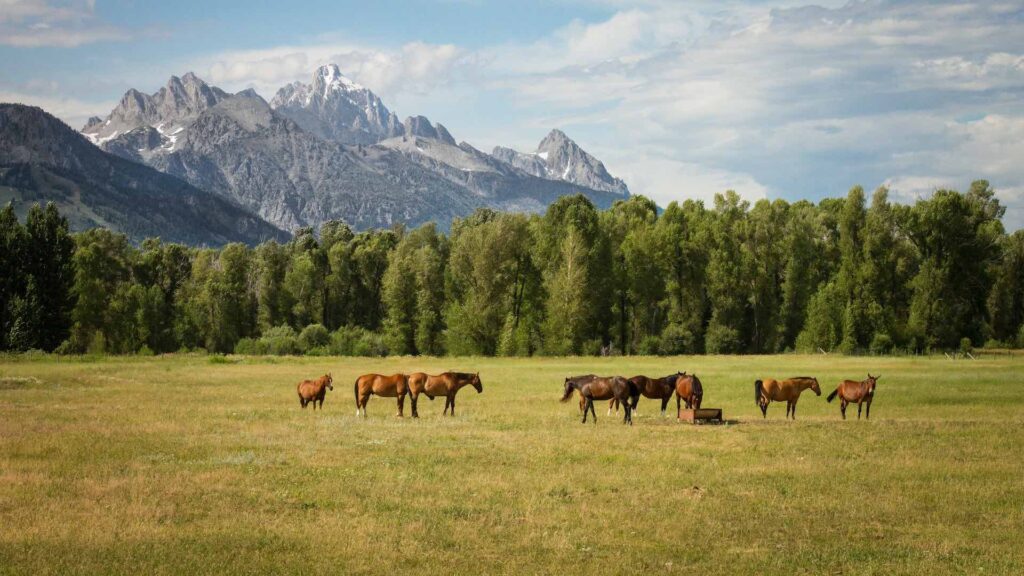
x=311 y=391
x=653 y=388
x=447 y=385
x=392 y=386
x=689 y=390
x=785 y=390
x=598 y=388
x=583 y=401
x=850 y=391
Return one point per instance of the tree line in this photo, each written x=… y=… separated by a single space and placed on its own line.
x=845 y=274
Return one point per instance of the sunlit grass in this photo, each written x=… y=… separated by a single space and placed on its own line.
x=182 y=465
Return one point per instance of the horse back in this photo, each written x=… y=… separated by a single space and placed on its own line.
x=416 y=381
x=307 y=389
x=853 y=390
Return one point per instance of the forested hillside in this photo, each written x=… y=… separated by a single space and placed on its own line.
x=851 y=275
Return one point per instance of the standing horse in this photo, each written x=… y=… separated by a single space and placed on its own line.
x=786 y=390
x=447 y=385
x=392 y=386
x=583 y=401
x=688 y=389
x=311 y=391
x=850 y=391
x=598 y=388
x=653 y=388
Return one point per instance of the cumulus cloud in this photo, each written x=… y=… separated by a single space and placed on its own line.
x=795 y=102
x=38 y=23
x=415 y=67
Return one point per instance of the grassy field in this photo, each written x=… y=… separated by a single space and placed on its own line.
x=181 y=465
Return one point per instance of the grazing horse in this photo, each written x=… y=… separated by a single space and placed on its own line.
x=850 y=391
x=311 y=391
x=653 y=388
x=789 y=390
x=598 y=388
x=392 y=386
x=689 y=390
x=447 y=385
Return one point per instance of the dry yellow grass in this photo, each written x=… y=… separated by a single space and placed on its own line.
x=186 y=465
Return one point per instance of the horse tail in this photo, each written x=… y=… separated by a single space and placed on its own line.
x=832 y=396
x=698 y=388
x=758 y=391
x=355 y=392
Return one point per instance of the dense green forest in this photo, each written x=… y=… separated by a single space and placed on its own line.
x=847 y=274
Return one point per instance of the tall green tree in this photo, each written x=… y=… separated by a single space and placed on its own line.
x=12 y=274
x=47 y=260
x=958 y=238
x=728 y=278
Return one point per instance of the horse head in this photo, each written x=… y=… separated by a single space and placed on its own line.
x=569 y=387
x=815 y=387
x=872 y=381
x=475 y=381
x=329 y=380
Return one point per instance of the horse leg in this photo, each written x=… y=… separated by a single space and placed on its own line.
x=764 y=409
x=679 y=407
x=794 y=410
x=453 y=404
x=664 y=405
x=868 y=415
x=586 y=408
x=860 y=404
x=629 y=414
x=401 y=405
x=447 y=400
x=842 y=407
x=613 y=403
x=590 y=402
x=412 y=402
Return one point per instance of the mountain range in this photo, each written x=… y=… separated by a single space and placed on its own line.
x=42 y=159
x=330 y=149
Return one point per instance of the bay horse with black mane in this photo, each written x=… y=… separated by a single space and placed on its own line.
x=788 y=391
x=313 y=391
x=850 y=391
x=653 y=388
x=447 y=385
x=393 y=386
x=688 y=389
x=602 y=388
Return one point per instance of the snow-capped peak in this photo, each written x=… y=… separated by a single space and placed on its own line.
x=333 y=79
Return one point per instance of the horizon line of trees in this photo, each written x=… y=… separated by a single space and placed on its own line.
x=845 y=274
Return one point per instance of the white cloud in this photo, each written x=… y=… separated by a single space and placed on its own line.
x=38 y=23
x=415 y=67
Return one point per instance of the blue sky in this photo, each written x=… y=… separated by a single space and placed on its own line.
x=681 y=99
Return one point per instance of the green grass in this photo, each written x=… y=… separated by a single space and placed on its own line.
x=181 y=465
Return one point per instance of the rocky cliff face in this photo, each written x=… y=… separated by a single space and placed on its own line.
x=42 y=160
x=558 y=157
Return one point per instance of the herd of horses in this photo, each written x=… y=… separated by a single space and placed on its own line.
x=619 y=391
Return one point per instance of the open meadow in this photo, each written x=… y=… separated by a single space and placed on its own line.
x=194 y=464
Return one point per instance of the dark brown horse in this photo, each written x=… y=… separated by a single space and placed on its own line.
x=447 y=385
x=689 y=390
x=598 y=388
x=850 y=391
x=783 y=390
x=392 y=386
x=653 y=388
x=311 y=391
x=583 y=401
